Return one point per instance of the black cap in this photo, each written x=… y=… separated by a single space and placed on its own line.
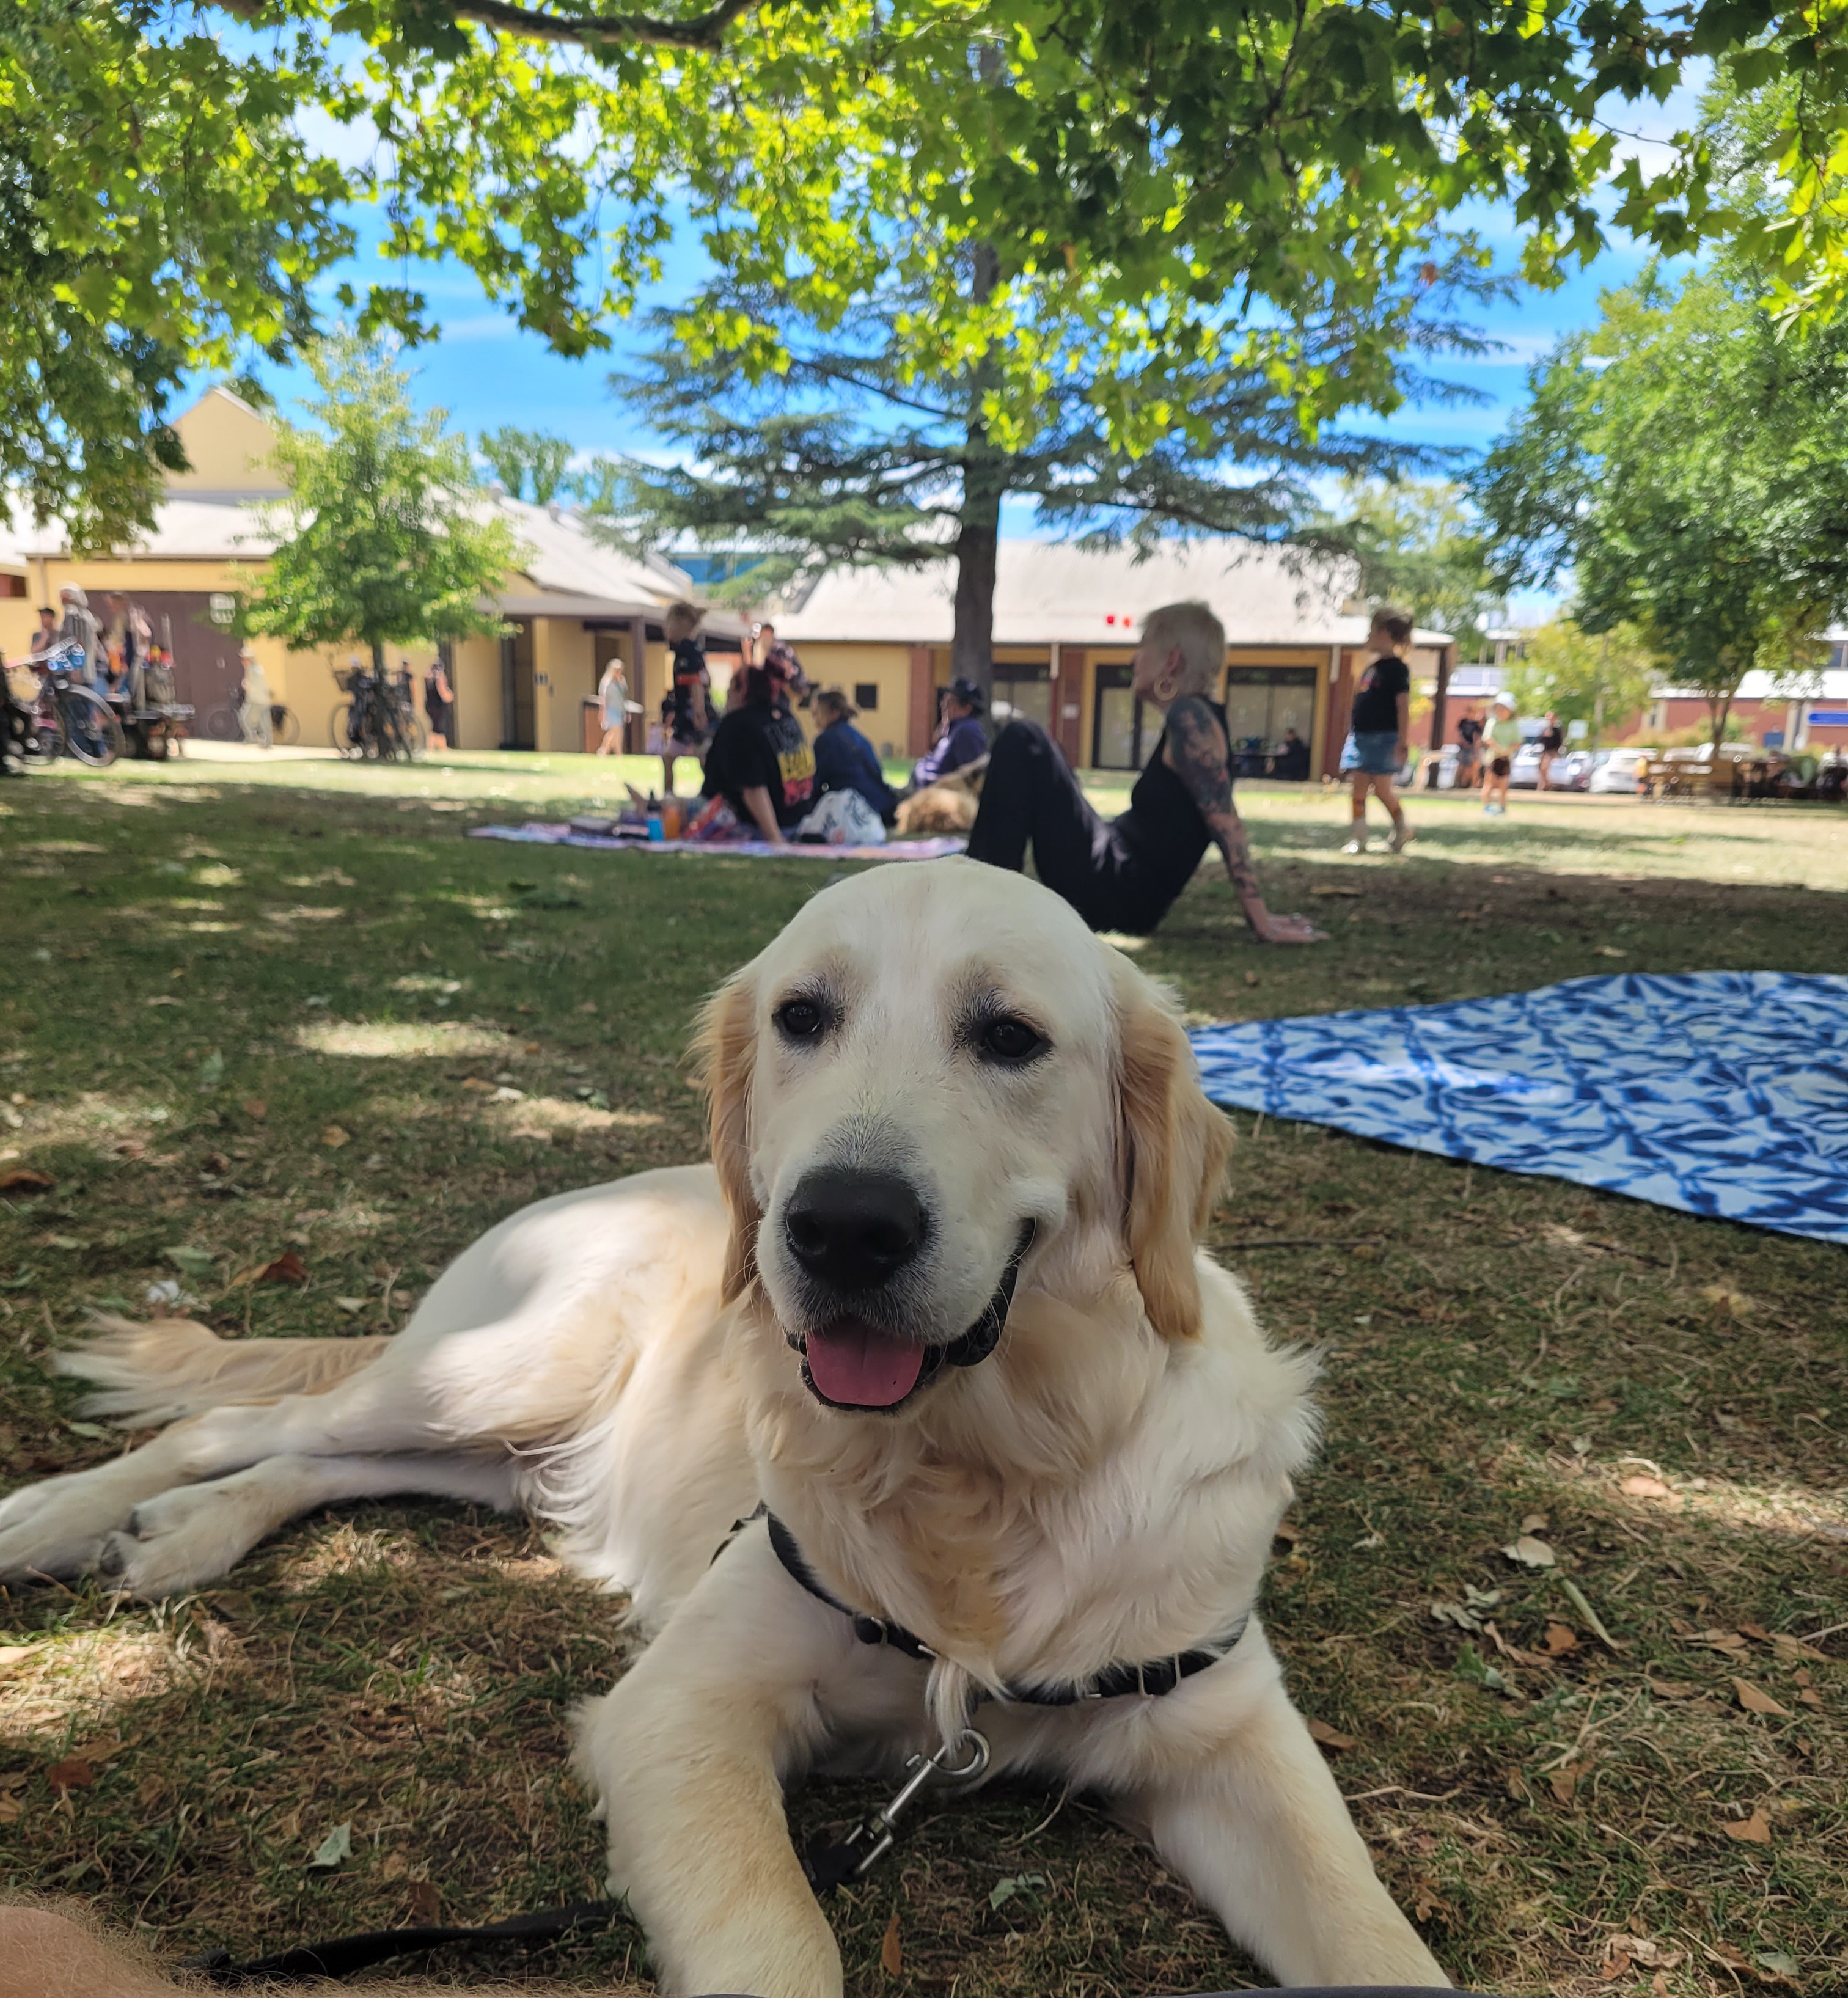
x=968 y=693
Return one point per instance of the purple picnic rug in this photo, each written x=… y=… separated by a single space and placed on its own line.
x=535 y=832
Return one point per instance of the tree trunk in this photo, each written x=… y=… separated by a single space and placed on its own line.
x=971 y=645
x=1719 y=706
x=378 y=658
x=972 y=639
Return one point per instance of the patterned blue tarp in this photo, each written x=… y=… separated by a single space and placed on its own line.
x=1722 y=1092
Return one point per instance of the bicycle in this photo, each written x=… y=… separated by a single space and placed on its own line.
x=71 y=718
x=376 y=722
x=239 y=721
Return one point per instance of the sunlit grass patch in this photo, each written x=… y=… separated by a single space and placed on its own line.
x=403 y=1040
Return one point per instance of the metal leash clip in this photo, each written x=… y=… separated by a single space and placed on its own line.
x=851 y=1858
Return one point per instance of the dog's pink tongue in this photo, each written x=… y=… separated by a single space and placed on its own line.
x=850 y=1362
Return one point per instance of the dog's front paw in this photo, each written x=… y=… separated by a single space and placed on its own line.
x=56 y=1529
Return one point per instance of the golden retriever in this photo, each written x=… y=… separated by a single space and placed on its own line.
x=949 y=805
x=939 y=1302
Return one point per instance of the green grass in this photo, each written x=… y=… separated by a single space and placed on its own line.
x=354 y=979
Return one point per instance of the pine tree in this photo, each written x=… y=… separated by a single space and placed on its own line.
x=871 y=448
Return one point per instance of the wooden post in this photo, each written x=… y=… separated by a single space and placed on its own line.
x=920 y=731
x=634 y=735
x=1446 y=659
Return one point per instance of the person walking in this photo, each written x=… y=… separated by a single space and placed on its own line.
x=844 y=759
x=1380 y=723
x=686 y=707
x=1501 y=737
x=612 y=696
x=1126 y=873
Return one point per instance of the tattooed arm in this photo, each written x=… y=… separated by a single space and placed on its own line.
x=1197 y=753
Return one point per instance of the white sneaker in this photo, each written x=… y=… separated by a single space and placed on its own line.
x=1401 y=834
x=1357 y=844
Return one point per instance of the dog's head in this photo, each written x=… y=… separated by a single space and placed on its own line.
x=932 y=1085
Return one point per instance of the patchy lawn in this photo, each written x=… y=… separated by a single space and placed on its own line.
x=294 y=1010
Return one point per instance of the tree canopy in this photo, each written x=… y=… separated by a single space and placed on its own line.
x=1419 y=543
x=1195 y=170
x=531 y=465
x=1602 y=679
x=386 y=537
x=1684 y=464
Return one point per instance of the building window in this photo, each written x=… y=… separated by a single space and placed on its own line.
x=866 y=696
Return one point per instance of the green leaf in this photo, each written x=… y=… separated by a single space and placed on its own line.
x=1007 y=1888
x=337 y=1846
x=195 y=1262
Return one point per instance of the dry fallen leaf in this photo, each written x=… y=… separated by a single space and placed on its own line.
x=23 y=1179
x=1560 y=1638
x=255 y=1108
x=1754 y=1701
x=1810 y=1696
x=150 y=1791
x=11 y=1810
x=1534 y=1522
x=1637 y=1486
x=1674 y=1688
x=891 y=1958
x=1787 y=1646
x=1353 y=894
x=333 y=1137
x=1330 y=1737
x=13 y=1654
x=72 y=1774
x=394 y=1866
x=288 y=1268
x=426 y=1903
x=1756 y=1830
x=1531 y=1552
x=1564 y=1781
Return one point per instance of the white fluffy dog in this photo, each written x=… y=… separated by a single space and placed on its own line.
x=938 y=1302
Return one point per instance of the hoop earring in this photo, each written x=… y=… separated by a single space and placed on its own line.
x=1166 y=688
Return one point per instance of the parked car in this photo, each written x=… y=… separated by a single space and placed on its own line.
x=1571 y=770
x=1524 y=775
x=1619 y=770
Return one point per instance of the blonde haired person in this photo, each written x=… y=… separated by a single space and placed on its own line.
x=1126 y=873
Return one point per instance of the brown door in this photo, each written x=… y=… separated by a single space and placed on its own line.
x=517 y=687
x=205 y=654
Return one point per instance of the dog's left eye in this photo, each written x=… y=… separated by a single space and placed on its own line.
x=1008 y=1039
x=801 y=1019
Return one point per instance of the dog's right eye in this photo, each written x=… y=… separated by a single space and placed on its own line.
x=800 y=1019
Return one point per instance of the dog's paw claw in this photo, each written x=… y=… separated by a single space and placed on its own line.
x=113 y=1560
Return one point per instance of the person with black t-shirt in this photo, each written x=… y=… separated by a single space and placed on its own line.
x=1468 y=748
x=1126 y=873
x=759 y=761
x=686 y=707
x=1553 y=740
x=1380 y=724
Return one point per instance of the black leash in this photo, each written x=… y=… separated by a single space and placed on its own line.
x=344 y=1954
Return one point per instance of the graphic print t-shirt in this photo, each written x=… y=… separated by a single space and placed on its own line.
x=1376 y=699
x=760 y=745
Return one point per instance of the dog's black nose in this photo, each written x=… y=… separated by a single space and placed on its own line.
x=854 y=1230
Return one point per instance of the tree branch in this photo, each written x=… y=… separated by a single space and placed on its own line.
x=700 y=31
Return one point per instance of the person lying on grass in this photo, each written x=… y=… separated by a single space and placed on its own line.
x=1126 y=873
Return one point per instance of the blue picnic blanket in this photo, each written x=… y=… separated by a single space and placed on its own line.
x=1719 y=1092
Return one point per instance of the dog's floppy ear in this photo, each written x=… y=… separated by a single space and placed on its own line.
x=725 y=1051
x=1171 y=1151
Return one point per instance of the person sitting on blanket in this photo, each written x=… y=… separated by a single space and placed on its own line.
x=759 y=761
x=1125 y=874
x=844 y=759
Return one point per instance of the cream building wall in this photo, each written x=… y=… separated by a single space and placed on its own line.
x=829 y=663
